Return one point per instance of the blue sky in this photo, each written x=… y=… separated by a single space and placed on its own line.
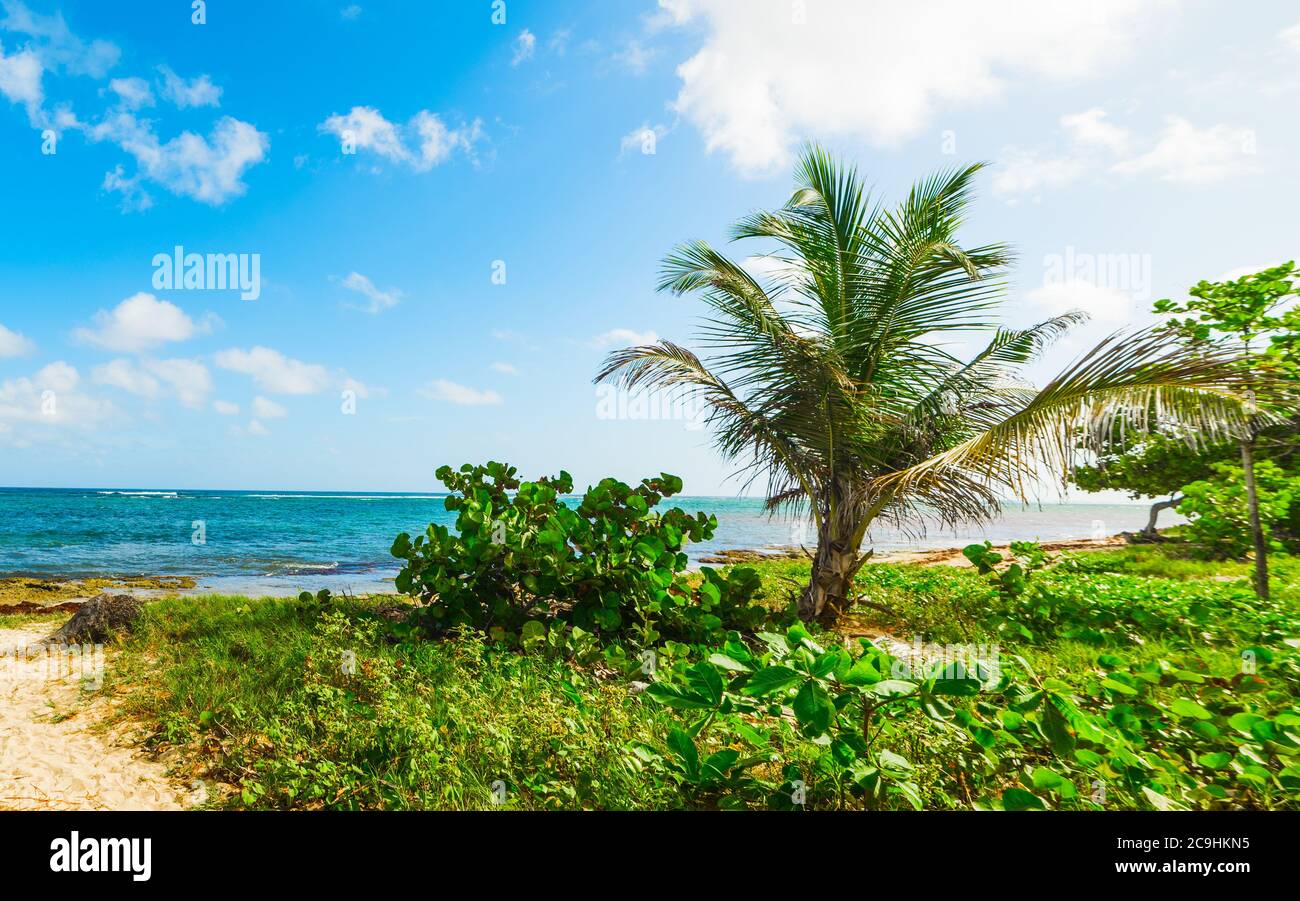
x=385 y=160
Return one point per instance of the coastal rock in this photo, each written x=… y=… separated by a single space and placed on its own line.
x=98 y=618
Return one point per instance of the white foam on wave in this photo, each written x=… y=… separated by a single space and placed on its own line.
x=141 y=493
x=349 y=497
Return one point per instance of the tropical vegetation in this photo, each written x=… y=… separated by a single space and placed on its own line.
x=831 y=378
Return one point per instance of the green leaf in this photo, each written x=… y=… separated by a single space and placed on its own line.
x=728 y=663
x=771 y=680
x=1019 y=799
x=1216 y=760
x=813 y=708
x=893 y=688
x=683 y=748
x=1184 y=707
x=1056 y=730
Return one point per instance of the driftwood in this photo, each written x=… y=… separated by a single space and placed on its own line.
x=98 y=618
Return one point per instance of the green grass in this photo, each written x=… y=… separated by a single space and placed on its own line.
x=299 y=707
x=262 y=698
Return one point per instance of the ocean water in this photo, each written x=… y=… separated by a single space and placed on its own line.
x=279 y=543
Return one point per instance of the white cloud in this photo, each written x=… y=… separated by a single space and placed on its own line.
x=1027 y=172
x=505 y=368
x=623 y=337
x=126 y=376
x=55 y=43
x=133 y=93
x=210 y=170
x=1103 y=304
x=350 y=13
x=12 y=344
x=1193 y=155
x=187 y=380
x=185 y=94
x=273 y=372
x=525 y=46
x=49 y=398
x=20 y=81
x=264 y=408
x=1095 y=145
x=378 y=300
x=1091 y=128
x=451 y=392
x=225 y=408
x=360 y=389
x=1291 y=36
x=424 y=142
x=256 y=428
x=138 y=323
x=875 y=70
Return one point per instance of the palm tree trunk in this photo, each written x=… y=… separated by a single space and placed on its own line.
x=1256 y=527
x=827 y=592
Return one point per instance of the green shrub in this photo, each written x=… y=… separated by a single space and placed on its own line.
x=1218 y=513
x=614 y=563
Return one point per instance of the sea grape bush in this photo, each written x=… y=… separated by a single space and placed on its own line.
x=610 y=563
x=836 y=703
x=1219 y=517
x=1150 y=735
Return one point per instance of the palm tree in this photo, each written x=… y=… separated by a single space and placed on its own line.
x=831 y=379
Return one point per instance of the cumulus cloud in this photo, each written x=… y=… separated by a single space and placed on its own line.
x=1021 y=173
x=1096 y=146
x=209 y=170
x=185 y=94
x=139 y=323
x=273 y=372
x=187 y=380
x=20 y=81
x=264 y=408
x=1185 y=153
x=1093 y=128
x=505 y=369
x=623 y=337
x=766 y=78
x=377 y=300
x=50 y=398
x=461 y=395
x=12 y=344
x=350 y=13
x=423 y=142
x=225 y=408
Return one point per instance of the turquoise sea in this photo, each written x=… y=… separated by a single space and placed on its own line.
x=284 y=542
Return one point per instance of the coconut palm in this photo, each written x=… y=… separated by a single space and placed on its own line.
x=830 y=378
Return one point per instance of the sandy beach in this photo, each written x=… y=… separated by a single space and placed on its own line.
x=56 y=751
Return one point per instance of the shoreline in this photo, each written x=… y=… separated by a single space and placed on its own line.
x=50 y=593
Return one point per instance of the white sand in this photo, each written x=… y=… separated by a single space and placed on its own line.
x=51 y=757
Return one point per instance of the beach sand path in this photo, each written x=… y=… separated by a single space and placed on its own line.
x=53 y=755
